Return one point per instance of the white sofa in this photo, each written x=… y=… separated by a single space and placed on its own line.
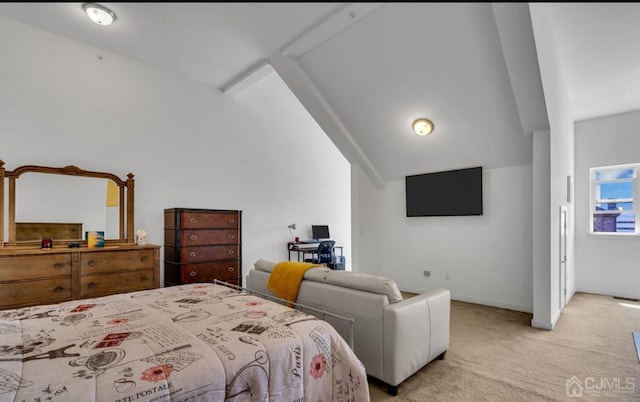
x=392 y=337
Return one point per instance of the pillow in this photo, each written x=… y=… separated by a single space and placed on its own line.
x=369 y=283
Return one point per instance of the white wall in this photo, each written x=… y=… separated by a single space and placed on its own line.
x=561 y=165
x=488 y=258
x=367 y=230
x=187 y=143
x=605 y=265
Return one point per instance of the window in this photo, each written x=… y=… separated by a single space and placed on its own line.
x=614 y=199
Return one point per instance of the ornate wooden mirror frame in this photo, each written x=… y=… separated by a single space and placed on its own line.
x=126 y=192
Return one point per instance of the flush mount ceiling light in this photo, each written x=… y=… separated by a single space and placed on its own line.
x=99 y=14
x=422 y=126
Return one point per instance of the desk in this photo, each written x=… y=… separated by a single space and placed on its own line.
x=304 y=249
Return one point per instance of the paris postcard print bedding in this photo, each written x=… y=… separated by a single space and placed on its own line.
x=197 y=342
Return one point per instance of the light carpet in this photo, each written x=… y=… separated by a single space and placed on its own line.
x=495 y=355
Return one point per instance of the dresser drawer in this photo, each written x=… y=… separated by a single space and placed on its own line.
x=35 y=292
x=207 y=272
x=34 y=266
x=199 y=220
x=106 y=284
x=111 y=261
x=201 y=254
x=201 y=237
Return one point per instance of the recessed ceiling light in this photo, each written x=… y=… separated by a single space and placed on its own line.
x=99 y=14
x=422 y=126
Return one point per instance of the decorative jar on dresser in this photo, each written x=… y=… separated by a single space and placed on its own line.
x=201 y=245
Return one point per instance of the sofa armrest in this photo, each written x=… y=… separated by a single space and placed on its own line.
x=416 y=331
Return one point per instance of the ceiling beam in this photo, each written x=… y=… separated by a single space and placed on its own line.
x=513 y=21
x=248 y=78
x=311 y=98
x=327 y=28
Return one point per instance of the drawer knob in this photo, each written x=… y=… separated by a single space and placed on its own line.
x=91 y=263
x=193 y=237
x=231 y=220
x=58 y=289
x=192 y=273
x=193 y=220
x=144 y=279
x=192 y=254
x=91 y=285
x=58 y=265
x=231 y=252
x=231 y=236
x=230 y=269
x=144 y=258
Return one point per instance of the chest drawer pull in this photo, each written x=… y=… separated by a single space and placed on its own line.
x=91 y=263
x=192 y=273
x=58 y=265
x=231 y=252
x=144 y=279
x=193 y=237
x=231 y=236
x=231 y=221
x=230 y=269
x=192 y=254
x=193 y=220
x=144 y=258
x=58 y=289
x=91 y=285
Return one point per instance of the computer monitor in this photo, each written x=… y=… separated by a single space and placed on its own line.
x=320 y=232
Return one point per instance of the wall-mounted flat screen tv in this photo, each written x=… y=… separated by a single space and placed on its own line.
x=448 y=193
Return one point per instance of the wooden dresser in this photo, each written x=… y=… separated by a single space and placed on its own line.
x=201 y=245
x=33 y=276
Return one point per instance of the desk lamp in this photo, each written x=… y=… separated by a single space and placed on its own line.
x=291 y=227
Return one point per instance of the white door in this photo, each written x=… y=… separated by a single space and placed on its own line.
x=563 y=257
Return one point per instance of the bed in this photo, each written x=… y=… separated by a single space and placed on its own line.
x=197 y=342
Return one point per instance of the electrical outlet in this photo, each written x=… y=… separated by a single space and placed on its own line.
x=427 y=273
x=446 y=276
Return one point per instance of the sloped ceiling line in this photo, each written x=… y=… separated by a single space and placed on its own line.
x=515 y=30
x=311 y=98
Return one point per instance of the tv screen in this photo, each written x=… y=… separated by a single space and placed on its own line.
x=449 y=193
x=320 y=232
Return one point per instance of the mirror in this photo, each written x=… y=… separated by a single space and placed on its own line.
x=64 y=203
x=43 y=198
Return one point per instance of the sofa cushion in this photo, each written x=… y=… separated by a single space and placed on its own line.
x=353 y=280
x=264 y=265
x=316 y=274
x=366 y=282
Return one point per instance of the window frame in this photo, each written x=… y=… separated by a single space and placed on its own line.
x=635 y=200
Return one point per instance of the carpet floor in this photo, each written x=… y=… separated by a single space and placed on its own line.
x=495 y=355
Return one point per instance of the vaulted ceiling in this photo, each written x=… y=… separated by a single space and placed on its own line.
x=365 y=71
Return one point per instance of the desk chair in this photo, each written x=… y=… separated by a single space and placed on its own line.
x=324 y=254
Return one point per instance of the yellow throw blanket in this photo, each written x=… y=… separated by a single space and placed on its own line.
x=286 y=277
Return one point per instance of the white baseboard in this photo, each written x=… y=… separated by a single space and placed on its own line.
x=542 y=325
x=607 y=292
x=536 y=323
x=478 y=300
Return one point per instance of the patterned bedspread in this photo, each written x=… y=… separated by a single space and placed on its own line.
x=198 y=342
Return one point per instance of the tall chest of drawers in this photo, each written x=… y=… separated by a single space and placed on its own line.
x=201 y=245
